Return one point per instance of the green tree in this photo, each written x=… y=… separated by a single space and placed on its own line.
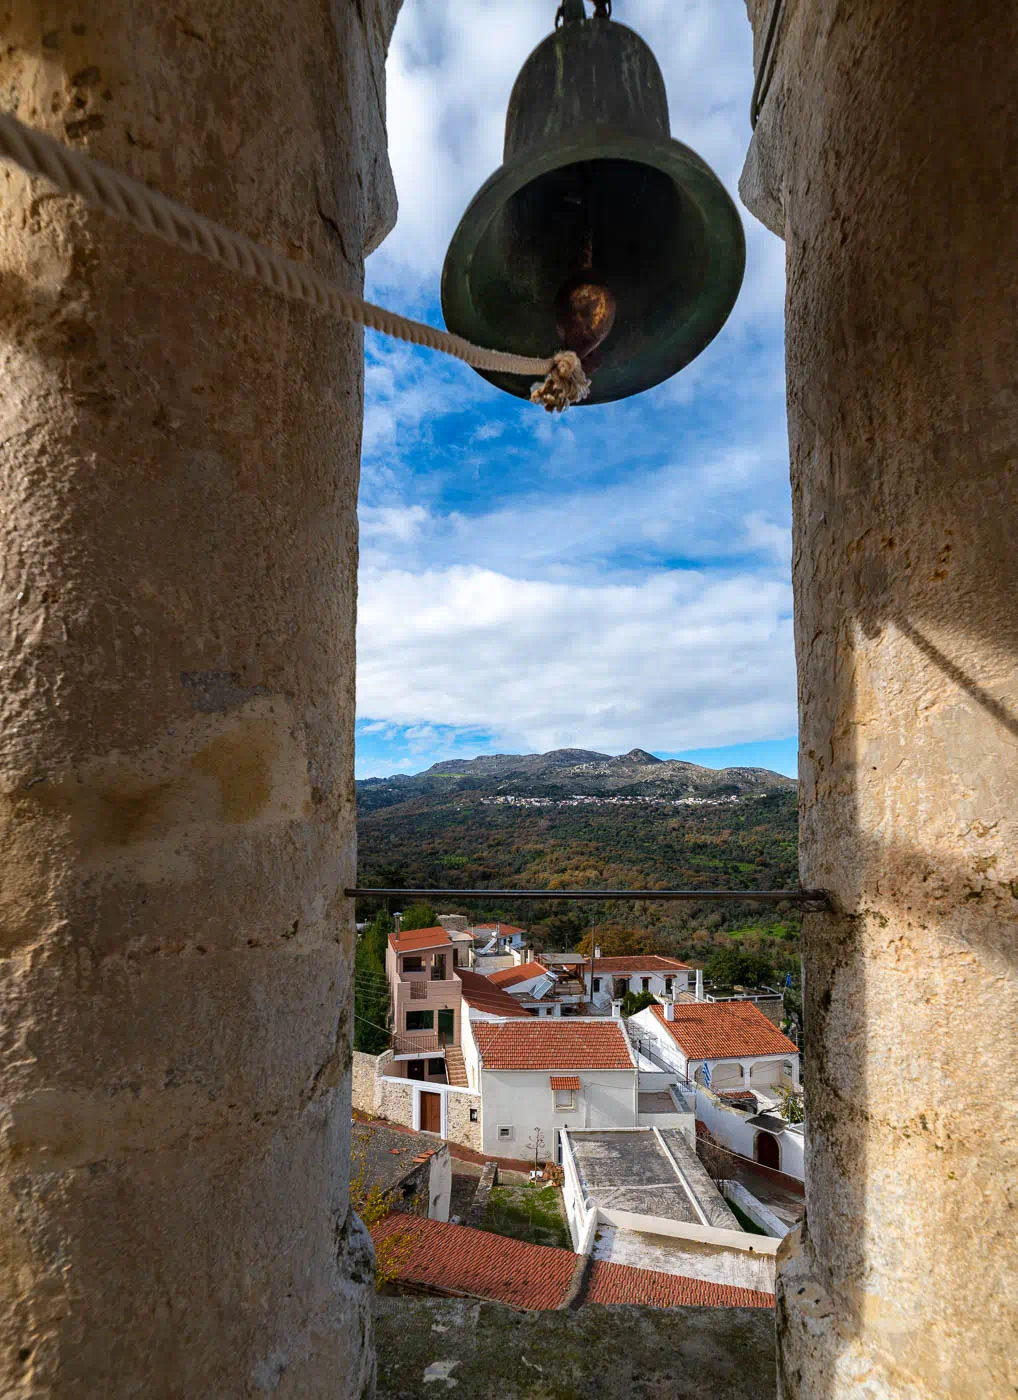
x=633 y=1002
x=791 y=1105
x=732 y=967
x=371 y=992
x=418 y=916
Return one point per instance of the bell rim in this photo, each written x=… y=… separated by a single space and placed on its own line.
x=726 y=256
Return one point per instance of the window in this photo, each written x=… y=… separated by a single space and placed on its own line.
x=436 y=1066
x=645 y=983
x=597 y=984
x=668 y=986
x=438 y=968
x=473 y=1115
x=563 y=1098
x=420 y=1020
x=505 y=1134
x=413 y=964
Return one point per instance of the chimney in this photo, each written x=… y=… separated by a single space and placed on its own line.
x=616 y=1009
x=699 y=984
x=397 y=917
x=669 y=1011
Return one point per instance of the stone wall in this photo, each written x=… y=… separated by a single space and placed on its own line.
x=461 y=1129
x=390 y=1098
x=365 y=1076
x=887 y=156
x=394 y=1101
x=616 y=1353
x=179 y=455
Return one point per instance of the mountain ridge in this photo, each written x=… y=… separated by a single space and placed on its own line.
x=574 y=772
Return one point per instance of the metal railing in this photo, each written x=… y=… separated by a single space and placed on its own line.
x=443 y=992
x=416 y=1042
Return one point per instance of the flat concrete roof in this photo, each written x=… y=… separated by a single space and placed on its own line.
x=665 y=1255
x=647 y=1171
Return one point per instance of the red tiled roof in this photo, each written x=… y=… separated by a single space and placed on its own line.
x=565 y=1081
x=419 y=938
x=480 y=994
x=622 y=1283
x=552 y=1043
x=509 y=976
x=649 y=962
x=502 y=928
x=722 y=1030
x=737 y=1096
x=456 y=1259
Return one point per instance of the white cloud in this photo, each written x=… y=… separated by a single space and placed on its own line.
x=569 y=622
x=673 y=660
x=764 y=534
x=720 y=508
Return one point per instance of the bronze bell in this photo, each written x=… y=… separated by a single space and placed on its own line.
x=598 y=232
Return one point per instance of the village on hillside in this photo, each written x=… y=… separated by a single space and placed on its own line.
x=545 y=1129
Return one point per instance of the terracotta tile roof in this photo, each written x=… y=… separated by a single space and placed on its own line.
x=720 y=1030
x=640 y=963
x=419 y=938
x=738 y=1096
x=552 y=1043
x=482 y=996
x=565 y=1081
x=509 y=976
x=502 y=928
x=622 y=1283
x=455 y=1259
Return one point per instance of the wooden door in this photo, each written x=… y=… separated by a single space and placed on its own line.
x=431 y=1113
x=768 y=1152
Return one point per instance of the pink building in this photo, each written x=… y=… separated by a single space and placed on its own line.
x=426 y=1006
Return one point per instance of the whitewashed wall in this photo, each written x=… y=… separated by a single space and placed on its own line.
x=523 y=1101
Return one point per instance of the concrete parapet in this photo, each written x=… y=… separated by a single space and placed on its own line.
x=495 y=1353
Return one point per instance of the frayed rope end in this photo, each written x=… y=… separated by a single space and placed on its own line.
x=566 y=384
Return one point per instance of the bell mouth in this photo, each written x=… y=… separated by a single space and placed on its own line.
x=647 y=220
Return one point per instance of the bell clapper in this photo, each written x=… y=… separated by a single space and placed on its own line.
x=584 y=316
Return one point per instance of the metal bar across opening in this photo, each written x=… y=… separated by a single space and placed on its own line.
x=819 y=898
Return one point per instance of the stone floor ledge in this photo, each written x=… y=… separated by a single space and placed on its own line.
x=427 y=1347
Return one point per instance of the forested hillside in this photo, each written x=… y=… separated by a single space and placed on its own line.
x=530 y=829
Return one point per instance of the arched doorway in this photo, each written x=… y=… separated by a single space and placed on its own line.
x=768 y=1150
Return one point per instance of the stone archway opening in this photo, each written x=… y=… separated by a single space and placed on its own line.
x=767 y=1150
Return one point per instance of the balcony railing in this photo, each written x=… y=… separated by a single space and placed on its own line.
x=416 y=1042
x=445 y=992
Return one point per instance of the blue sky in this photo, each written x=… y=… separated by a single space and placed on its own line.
x=616 y=577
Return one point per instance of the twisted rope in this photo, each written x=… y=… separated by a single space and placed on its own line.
x=128 y=199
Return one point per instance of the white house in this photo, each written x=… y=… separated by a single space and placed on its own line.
x=536 y=1076
x=544 y=990
x=498 y=938
x=736 y=1060
x=614 y=977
